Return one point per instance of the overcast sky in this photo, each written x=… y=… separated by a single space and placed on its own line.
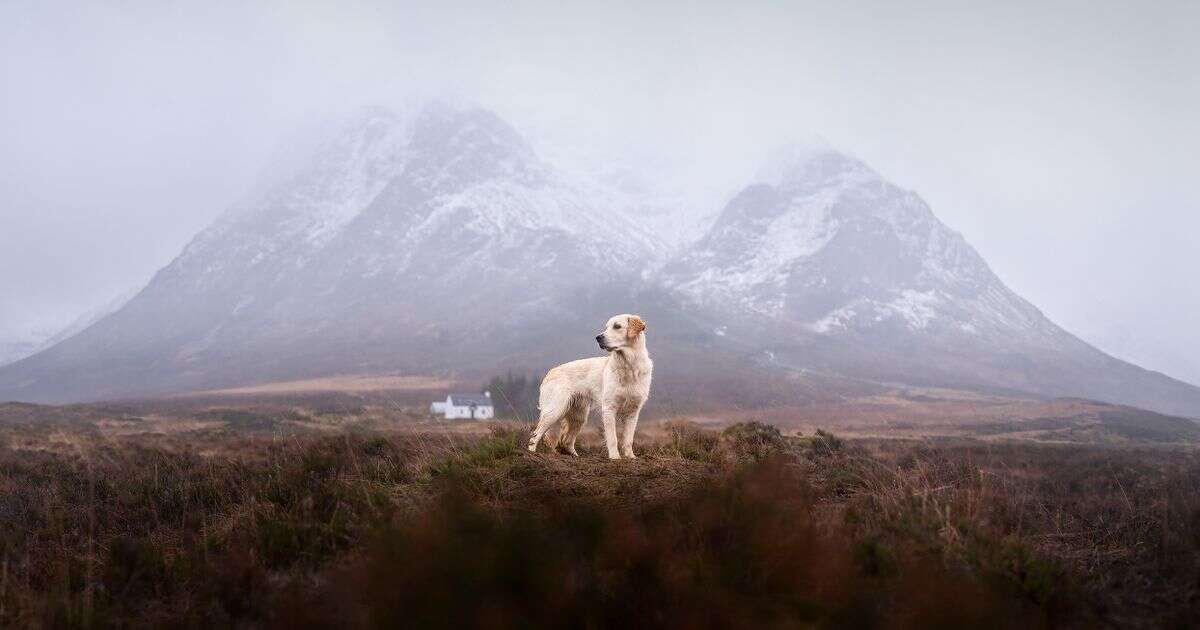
x=1061 y=138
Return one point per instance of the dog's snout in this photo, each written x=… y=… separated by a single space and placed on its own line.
x=600 y=338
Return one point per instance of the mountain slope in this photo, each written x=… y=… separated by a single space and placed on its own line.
x=833 y=268
x=21 y=346
x=16 y=347
x=404 y=244
x=834 y=246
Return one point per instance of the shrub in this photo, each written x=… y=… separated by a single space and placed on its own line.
x=824 y=443
x=743 y=550
x=690 y=441
x=753 y=440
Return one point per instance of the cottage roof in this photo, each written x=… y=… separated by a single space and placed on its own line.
x=470 y=400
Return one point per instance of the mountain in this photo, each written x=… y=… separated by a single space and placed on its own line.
x=87 y=318
x=17 y=347
x=441 y=243
x=832 y=268
x=1156 y=348
x=402 y=243
x=828 y=245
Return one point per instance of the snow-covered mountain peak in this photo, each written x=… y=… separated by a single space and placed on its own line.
x=813 y=163
x=369 y=158
x=390 y=201
x=828 y=243
x=348 y=171
x=462 y=146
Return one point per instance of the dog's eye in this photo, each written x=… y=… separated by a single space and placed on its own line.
x=616 y=327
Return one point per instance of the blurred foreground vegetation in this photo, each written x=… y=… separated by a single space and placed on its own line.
x=743 y=527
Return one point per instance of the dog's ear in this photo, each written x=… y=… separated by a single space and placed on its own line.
x=636 y=326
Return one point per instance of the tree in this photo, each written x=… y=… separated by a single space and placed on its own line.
x=515 y=396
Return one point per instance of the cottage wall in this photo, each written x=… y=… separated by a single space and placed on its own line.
x=462 y=412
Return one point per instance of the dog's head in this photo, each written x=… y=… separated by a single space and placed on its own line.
x=621 y=331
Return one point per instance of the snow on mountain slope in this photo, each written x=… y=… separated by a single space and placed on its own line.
x=827 y=242
x=401 y=180
x=828 y=266
x=405 y=240
x=440 y=242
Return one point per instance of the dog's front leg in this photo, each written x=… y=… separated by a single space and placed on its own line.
x=608 y=418
x=627 y=437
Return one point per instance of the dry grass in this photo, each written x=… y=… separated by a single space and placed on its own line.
x=745 y=526
x=1110 y=532
x=916 y=413
x=350 y=384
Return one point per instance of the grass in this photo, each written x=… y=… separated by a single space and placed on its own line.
x=740 y=527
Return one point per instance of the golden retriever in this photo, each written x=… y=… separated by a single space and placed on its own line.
x=619 y=383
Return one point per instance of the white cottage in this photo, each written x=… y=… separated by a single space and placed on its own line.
x=464 y=406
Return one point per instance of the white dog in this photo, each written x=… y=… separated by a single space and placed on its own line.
x=619 y=383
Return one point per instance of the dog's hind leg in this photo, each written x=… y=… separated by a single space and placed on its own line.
x=575 y=420
x=557 y=443
x=551 y=412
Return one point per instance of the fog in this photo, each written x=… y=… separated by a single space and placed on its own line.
x=1060 y=140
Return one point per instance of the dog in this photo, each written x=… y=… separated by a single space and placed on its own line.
x=618 y=383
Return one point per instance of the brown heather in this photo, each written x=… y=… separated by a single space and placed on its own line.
x=740 y=528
